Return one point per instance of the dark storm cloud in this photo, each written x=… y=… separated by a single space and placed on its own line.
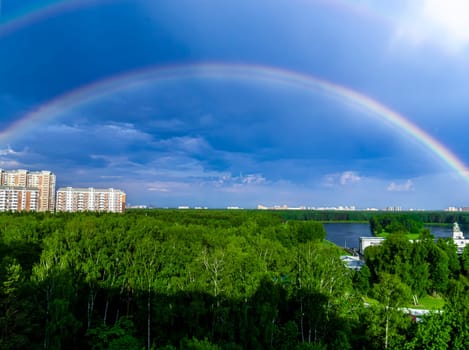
x=200 y=141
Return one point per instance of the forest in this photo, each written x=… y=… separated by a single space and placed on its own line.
x=219 y=279
x=383 y=224
x=426 y=217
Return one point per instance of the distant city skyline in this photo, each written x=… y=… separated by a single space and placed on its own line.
x=203 y=104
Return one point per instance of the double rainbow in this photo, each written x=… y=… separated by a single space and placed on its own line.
x=56 y=107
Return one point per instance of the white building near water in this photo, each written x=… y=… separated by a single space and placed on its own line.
x=366 y=242
x=458 y=239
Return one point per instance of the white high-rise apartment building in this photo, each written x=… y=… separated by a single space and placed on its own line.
x=90 y=199
x=18 y=199
x=42 y=181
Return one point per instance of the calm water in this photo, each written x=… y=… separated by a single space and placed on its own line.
x=347 y=235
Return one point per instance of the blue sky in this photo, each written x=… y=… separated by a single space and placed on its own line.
x=200 y=139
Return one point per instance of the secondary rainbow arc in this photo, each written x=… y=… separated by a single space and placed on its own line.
x=50 y=8
x=39 y=12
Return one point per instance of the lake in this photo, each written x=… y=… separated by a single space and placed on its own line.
x=348 y=234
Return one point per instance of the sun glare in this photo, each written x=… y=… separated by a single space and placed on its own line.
x=449 y=16
x=441 y=23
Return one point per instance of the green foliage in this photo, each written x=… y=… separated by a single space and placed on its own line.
x=17 y=325
x=465 y=260
x=428 y=217
x=425 y=266
x=305 y=231
x=119 y=336
x=447 y=245
x=430 y=302
x=392 y=223
x=361 y=279
x=389 y=322
x=287 y=336
x=311 y=346
x=432 y=333
x=378 y=324
x=446 y=329
x=196 y=344
x=210 y=279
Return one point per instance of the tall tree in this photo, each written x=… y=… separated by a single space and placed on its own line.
x=392 y=294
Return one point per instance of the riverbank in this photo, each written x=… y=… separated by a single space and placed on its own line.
x=347 y=234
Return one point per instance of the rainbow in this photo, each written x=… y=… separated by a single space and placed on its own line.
x=50 y=8
x=39 y=12
x=225 y=71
